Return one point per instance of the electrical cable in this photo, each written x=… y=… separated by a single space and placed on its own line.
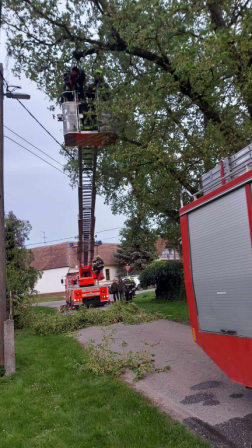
x=52 y=241
x=107 y=230
x=64 y=149
x=49 y=133
x=68 y=238
x=48 y=163
x=33 y=146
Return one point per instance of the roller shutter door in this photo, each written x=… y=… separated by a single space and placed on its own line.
x=221 y=260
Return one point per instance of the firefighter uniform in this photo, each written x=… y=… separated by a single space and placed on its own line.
x=128 y=290
x=98 y=264
x=133 y=285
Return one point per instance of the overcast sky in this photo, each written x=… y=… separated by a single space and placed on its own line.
x=35 y=191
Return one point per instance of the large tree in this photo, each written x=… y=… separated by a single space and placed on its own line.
x=138 y=243
x=180 y=74
x=20 y=277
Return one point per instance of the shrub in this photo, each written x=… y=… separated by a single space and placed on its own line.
x=56 y=323
x=24 y=312
x=168 y=276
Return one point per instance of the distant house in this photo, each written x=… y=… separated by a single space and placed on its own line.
x=55 y=261
x=166 y=252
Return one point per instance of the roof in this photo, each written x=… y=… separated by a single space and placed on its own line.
x=62 y=255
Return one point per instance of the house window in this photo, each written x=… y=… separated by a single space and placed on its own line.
x=107 y=274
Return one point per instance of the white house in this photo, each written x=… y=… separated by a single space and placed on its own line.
x=55 y=261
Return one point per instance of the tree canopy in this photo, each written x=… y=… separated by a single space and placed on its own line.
x=180 y=76
x=138 y=244
x=20 y=277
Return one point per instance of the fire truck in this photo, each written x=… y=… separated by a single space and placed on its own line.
x=82 y=287
x=216 y=229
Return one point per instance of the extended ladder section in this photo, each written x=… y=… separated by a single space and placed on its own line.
x=87 y=192
x=228 y=169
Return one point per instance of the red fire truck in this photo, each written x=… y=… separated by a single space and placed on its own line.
x=82 y=287
x=216 y=240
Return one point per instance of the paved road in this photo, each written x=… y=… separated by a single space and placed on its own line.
x=195 y=390
x=58 y=304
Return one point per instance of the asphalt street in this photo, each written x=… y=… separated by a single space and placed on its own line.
x=195 y=391
x=58 y=304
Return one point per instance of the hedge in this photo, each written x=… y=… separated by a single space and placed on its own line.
x=168 y=277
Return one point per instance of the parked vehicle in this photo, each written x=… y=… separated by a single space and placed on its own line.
x=216 y=233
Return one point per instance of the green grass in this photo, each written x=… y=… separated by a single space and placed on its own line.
x=52 y=403
x=49 y=299
x=176 y=311
x=44 y=310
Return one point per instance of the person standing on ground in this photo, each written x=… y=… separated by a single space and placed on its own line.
x=120 y=286
x=128 y=290
x=114 y=290
x=133 y=287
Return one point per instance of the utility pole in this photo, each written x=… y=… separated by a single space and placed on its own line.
x=7 y=344
x=2 y=233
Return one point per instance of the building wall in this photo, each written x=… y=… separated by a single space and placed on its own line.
x=170 y=254
x=51 y=281
x=112 y=273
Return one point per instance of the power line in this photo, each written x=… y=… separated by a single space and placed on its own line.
x=49 y=133
x=64 y=149
x=70 y=237
x=62 y=239
x=52 y=241
x=107 y=230
x=48 y=163
x=33 y=145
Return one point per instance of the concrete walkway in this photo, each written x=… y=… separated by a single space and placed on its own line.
x=194 y=391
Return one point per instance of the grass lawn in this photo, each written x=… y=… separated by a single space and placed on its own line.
x=177 y=311
x=49 y=299
x=44 y=310
x=54 y=401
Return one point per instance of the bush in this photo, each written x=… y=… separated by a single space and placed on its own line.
x=43 y=323
x=168 y=276
x=24 y=312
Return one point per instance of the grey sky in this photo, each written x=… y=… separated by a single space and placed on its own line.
x=35 y=191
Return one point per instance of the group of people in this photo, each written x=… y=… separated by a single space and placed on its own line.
x=87 y=95
x=123 y=289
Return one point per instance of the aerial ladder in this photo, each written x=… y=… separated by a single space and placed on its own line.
x=82 y=287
